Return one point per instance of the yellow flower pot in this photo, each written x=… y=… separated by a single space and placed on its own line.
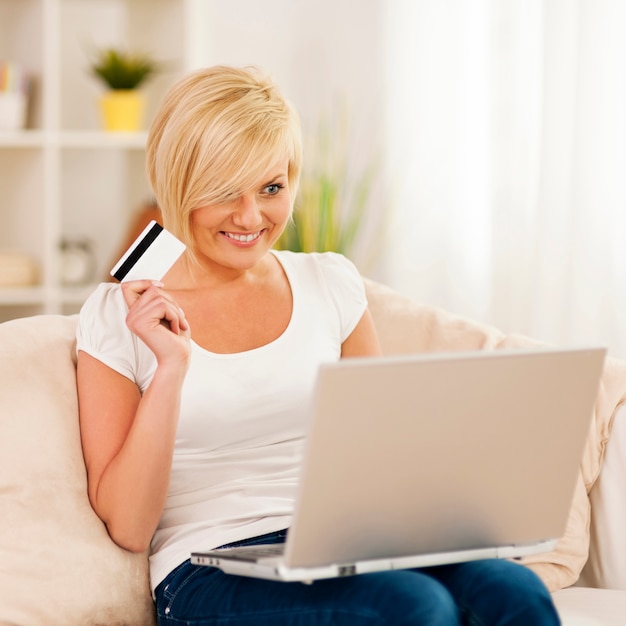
x=122 y=110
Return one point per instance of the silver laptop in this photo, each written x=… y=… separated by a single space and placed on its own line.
x=423 y=460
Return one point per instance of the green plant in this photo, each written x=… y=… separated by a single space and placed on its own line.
x=332 y=200
x=122 y=70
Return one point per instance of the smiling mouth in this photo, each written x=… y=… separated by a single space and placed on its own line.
x=241 y=237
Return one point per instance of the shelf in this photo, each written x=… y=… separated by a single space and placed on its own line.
x=13 y=296
x=76 y=295
x=73 y=139
x=21 y=295
x=62 y=178
x=21 y=139
x=101 y=139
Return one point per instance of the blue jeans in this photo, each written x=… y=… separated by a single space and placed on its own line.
x=477 y=593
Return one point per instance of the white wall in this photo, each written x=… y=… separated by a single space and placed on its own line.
x=325 y=55
x=502 y=130
x=317 y=51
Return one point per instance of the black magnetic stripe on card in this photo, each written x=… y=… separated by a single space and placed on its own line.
x=138 y=252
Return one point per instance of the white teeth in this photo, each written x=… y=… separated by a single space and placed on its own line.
x=243 y=237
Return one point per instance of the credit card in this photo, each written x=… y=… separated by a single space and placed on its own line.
x=150 y=256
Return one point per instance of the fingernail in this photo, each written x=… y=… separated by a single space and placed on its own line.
x=158 y=283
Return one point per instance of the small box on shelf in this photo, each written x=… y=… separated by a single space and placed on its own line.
x=14 y=88
x=17 y=269
x=12 y=111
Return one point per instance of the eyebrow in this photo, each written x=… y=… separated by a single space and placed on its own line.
x=270 y=179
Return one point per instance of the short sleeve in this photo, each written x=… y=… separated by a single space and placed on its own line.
x=345 y=288
x=102 y=333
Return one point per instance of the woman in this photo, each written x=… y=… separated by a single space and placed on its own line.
x=193 y=391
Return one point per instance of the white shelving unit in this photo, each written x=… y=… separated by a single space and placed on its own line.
x=62 y=177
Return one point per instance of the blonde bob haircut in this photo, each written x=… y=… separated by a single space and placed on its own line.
x=215 y=135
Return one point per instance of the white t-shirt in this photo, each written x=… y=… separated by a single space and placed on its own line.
x=243 y=416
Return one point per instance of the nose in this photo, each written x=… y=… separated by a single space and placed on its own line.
x=247 y=213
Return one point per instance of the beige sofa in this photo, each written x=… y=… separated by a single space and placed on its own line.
x=59 y=567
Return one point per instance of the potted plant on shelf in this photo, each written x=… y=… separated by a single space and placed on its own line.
x=122 y=105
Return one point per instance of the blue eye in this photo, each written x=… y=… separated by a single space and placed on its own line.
x=273 y=189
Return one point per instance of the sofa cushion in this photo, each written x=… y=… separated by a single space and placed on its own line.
x=590 y=607
x=58 y=565
x=405 y=326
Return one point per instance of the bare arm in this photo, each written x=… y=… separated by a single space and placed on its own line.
x=363 y=341
x=128 y=439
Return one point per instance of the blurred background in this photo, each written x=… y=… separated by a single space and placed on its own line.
x=472 y=151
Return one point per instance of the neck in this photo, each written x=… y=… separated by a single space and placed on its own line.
x=192 y=273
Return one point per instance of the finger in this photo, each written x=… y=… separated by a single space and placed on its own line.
x=182 y=320
x=133 y=289
x=174 y=319
x=155 y=308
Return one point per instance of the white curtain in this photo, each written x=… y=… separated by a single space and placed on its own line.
x=506 y=127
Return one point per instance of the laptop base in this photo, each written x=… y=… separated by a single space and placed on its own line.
x=241 y=562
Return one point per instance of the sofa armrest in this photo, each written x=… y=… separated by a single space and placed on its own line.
x=606 y=566
x=405 y=326
x=58 y=564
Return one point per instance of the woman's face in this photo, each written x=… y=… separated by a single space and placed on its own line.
x=238 y=233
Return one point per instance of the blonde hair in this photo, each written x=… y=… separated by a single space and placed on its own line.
x=217 y=131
